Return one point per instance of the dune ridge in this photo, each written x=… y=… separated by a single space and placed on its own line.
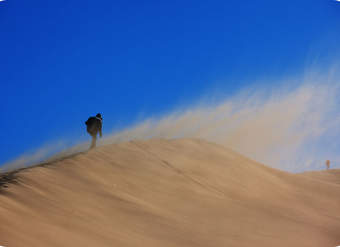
x=184 y=192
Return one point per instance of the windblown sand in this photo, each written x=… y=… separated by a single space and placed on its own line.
x=168 y=193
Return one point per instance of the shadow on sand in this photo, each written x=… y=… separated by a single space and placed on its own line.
x=12 y=177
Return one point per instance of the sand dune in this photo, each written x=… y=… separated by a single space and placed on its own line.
x=168 y=193
x=328 y=176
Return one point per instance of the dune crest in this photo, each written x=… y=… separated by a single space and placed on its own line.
x=183 y=192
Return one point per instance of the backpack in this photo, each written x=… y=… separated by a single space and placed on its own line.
x=90 y=121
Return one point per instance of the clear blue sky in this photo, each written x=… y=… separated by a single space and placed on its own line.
x=62 y=61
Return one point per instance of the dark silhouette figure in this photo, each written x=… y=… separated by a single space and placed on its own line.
x=328 y=164
x=94 y=125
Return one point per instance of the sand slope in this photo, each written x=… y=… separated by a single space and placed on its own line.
x=327 y=176
x=168 y=193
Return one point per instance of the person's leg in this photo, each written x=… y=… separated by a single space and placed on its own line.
x=93 y=143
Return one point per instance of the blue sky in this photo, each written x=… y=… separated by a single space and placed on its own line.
x=62 y=61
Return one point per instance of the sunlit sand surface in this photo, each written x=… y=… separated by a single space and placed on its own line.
x=163 y=193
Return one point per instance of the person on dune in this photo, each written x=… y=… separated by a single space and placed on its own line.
x=94 y=125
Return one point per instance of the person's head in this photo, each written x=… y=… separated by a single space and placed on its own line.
x=99 y=116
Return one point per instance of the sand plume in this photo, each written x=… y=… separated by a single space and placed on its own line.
x=286 y=127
